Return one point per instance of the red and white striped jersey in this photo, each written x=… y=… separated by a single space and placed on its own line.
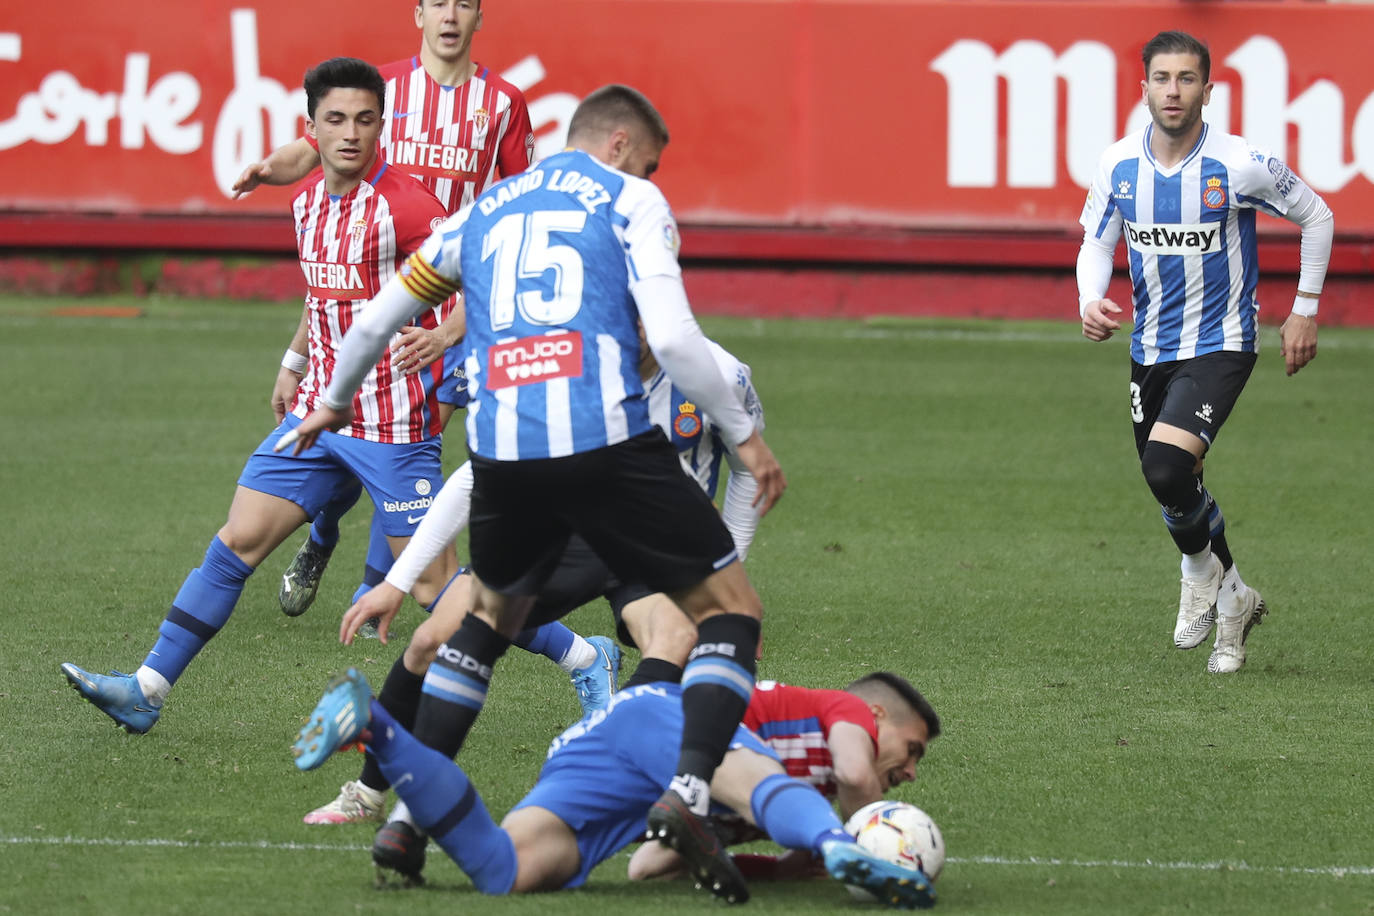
x=796 y=721
x=455 y=139
x=349 y=247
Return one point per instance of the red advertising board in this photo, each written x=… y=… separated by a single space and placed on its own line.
x=852 y=113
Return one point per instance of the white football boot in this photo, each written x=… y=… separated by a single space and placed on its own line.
x=1197 y=606
x=1229 y=652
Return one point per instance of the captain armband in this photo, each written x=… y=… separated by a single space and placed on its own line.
x=424 y=282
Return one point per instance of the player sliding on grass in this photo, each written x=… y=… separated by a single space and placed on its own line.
x=665 y=635
x=600 y=778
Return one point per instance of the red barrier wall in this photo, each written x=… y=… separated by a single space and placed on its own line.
x=856 y=131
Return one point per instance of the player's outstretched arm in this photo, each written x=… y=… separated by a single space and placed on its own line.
x=382 y=601
x=447 y=516
x=286 y=164
x=768 y=475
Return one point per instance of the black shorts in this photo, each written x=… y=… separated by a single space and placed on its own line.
x=581 y=577
x=630 y=502
x=1195 y=394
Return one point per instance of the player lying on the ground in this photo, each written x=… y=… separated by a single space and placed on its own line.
x=852 y=745
x=598 y=783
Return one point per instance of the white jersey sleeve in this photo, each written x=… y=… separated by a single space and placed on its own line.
x=447 y=516
x=1275 y=187
x=650 y=236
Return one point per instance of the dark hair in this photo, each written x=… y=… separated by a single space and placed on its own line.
x=342 y=73
x=902 y=687
x=614 y=106
x=1177 y=43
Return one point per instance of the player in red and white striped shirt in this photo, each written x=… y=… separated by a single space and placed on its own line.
x=852 y=745
x=350 y=245
x=356 y=223
x=457 y=127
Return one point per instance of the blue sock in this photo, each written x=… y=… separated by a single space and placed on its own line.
x=379 y=558
x=552 y=640
x=444 y=804
x=200 y=609
x=324 y=530
x=794 y=814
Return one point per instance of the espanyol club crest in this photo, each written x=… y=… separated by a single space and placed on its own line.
x=1213 y=197
x=687 y=423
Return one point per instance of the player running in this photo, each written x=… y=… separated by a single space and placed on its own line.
x=355 y=224
x=1184 y=196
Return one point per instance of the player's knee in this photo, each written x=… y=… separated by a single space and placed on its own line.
x=424 y=644
x=1168 y=471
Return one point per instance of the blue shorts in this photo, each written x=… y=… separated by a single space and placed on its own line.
x=454 y=388
x=604 y=773
x=401 y=477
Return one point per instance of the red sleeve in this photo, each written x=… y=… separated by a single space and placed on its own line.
x=840 y=706
x=315 y=144
x=415 y=213
x=517 y=145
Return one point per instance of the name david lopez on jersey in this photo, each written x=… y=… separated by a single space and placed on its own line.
x=588 y=192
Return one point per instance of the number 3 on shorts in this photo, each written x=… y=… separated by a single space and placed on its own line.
x=1137 y=408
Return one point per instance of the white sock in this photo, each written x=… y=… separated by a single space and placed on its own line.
x=373 y=796
x=155 y=687
x=1228 y=600
x=1197 y=565
x=695 y=792
x=402 y=813
x=579 y=655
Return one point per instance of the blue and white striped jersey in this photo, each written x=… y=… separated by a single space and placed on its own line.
x=547 y=261
x=695 y=438
x=1190 y=239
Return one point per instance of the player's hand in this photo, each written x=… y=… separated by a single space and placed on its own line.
x=383 y=601
x=417 y=348
x=304 y=436
x=1298 y=342
x=758 y=458
x=1098 y=323
x=250 y=178
x=284 y=392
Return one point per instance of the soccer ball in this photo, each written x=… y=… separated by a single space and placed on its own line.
x=898 y=833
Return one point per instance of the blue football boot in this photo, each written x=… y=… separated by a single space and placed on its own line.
x=116 y=695
x=338 y=720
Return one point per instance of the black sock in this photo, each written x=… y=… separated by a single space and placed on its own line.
x=654 y=669
x=456 y=686
x=716 y=686
x=400 y=696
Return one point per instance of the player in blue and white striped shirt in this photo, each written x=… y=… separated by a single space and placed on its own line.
x=558 y=265
x=1184 y=196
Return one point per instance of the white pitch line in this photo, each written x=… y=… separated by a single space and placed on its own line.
x=1336 y=871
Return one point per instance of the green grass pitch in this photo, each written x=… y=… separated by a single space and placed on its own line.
x=964 y=508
